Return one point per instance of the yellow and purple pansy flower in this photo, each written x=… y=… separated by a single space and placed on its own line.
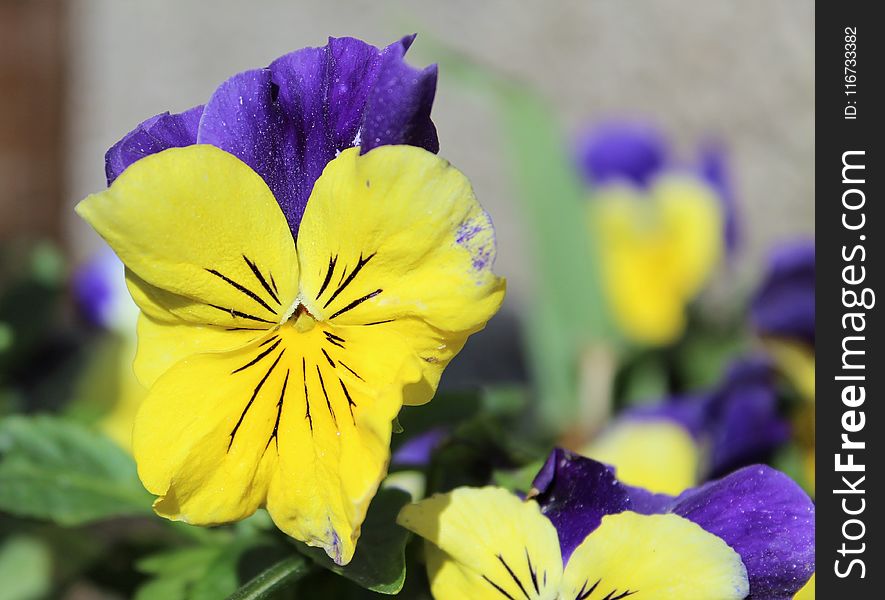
x=582 y=534
x=305 y=265
x=671 y=446
x=660 y=227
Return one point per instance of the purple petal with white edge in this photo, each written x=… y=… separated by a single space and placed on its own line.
x=784 y=304
x=744 y=423
x=575 y=492
x=714 y=170
x=630 y=151
x=158 y=133
x=766 y=518
x=417 y=451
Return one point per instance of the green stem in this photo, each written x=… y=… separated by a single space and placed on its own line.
x=272 y=579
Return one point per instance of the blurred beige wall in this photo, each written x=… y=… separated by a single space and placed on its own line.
x=740 y=70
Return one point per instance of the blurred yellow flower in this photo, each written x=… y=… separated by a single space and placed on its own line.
x=657 y=248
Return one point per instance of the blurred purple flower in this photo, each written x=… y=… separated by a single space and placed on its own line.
x=287 y=121
x=621 y=150
x=100 y=292
x=784 y=303
x=417 y=451
x=738 y=421
x=637 y=152
x=758 y=511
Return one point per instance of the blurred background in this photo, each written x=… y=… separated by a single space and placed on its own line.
x=78 y=74
x=617 y=311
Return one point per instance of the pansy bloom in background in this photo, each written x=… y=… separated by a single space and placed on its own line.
x=100 y=294
x=673 y=445
x=304 y=265
x=661 y=227
x=583 y=534
x=782 y=313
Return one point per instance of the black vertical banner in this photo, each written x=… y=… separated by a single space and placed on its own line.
x=849 y=62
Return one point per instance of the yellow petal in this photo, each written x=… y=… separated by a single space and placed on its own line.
x=202 y=236
x=807 y=591
x=656 y=252
x=665 y=557
x=299 y=421
x=692 y=217
x=396 y=240
x=333 y=438
x=659 y=456
x=162 y=344
x=201 y=436
x=129 y=394
x=486 y=544
x=796 y=361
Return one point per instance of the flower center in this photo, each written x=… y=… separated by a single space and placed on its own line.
x=302 y=320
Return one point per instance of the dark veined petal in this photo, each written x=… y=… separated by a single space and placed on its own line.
x=766 y=518
x=486 y=544
x=194 y=251
x=665 y=557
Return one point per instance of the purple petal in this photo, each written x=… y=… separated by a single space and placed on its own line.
x=784 y=304
x=417 y=451
x=289 y=120
x=647 y=503
x=743 y=421
x=398 y=108
x=244 y=118
x=575 y=492
x=621 y=150
x=158 y=133
x=100 y=293
x=766 y=518
x=714 y=170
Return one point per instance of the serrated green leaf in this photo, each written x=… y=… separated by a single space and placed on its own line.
x=379 y=563
x=58 y=470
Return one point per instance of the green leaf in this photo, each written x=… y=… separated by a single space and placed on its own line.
x=237 y=564
x=518 y=480
x=175 y=571
x=379 y=563
x=211 y=570
x=25 y=569
x=58 y=470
